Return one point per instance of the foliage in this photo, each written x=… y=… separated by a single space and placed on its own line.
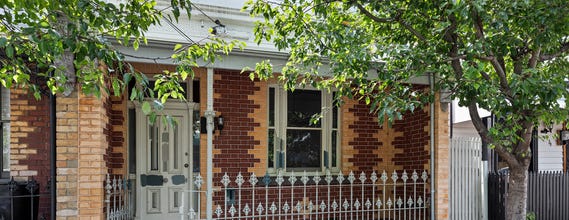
x=69 y=42
x=509 y=57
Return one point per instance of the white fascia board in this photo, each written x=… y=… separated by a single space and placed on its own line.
x=236 y=60
x=233 y=61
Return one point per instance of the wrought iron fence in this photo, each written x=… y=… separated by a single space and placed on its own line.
x=398 y=195
x=21 y=200
x=118 y=202
x=548 y=195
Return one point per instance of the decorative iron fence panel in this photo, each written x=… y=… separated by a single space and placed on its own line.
x=397 y=195
x=21 y=200
x=465 y=179
x=118 y=202
x=548 y=195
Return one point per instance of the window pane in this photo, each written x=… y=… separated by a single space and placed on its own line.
x=302 y=105
x=303 y=148
x=271 y=107
x=334 y=147
x=271 y=148
x=176 y=150
x=334 y=115
x=196 y=141
x=153 y=133
x=196 y=91
x=165 y=148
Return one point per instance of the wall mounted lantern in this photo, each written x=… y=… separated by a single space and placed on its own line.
x=218 y=123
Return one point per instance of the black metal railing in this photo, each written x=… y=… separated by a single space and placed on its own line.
x=548 y=195
x=21 y=200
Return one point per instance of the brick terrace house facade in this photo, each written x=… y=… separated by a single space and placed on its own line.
x=263 y=132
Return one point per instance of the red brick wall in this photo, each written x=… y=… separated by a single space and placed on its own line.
x=234 y=142
x=414 y=142
x=363 y=141
x=116 y=135
x=29 y=142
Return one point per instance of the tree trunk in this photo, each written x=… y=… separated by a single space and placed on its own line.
x=517 y=193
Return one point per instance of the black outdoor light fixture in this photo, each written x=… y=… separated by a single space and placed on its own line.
x=218 y=123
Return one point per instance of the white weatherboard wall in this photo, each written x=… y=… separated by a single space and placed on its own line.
x=550 y=154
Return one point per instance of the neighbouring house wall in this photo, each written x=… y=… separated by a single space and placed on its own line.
x=29 y=142
x=550 y=151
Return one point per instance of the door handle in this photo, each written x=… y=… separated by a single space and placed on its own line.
x=186 y=165
x=165 y=180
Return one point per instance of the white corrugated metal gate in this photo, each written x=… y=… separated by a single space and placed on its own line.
x=466 y=182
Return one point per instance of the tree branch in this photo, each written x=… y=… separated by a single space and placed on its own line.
x=522 y=147
x=535 y=54
x=478 y=124
x=372 y=16
x=562 y=49
x=499 y=67
x=484 y=134
x=397 y=18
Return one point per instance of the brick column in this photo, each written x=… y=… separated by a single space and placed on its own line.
x=67 y=157
x=82 y=142
x=93 y=144
x=442 y=165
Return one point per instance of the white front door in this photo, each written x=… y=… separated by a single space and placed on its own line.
x=163 y=163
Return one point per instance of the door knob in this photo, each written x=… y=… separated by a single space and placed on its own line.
x=186 y=165
x=165 y=179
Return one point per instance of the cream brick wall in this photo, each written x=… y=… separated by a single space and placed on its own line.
x=81 y=146
x=442 y=169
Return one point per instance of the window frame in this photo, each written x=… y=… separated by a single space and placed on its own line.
x=280 y=126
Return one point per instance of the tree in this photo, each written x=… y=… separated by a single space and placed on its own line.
x=509 y=57
x=67 y=43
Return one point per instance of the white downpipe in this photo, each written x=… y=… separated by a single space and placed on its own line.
x=209 y=114
x=432 y=143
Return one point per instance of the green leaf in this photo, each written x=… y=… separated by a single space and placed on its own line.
x=152 y=118
x=146 y=109
x=9 y=51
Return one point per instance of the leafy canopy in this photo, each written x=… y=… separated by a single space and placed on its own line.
x=54 y=44
x=509 y=57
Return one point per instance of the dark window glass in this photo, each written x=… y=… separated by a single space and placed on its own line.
x=334 y=113
x=153 y=133
x=196 y=91
x=303 y=148
x=196 y=141
x=334 y=144
x=271 y=148
x=271 y=107
x=302 y=105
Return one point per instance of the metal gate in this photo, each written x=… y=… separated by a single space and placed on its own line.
x=466 y=179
